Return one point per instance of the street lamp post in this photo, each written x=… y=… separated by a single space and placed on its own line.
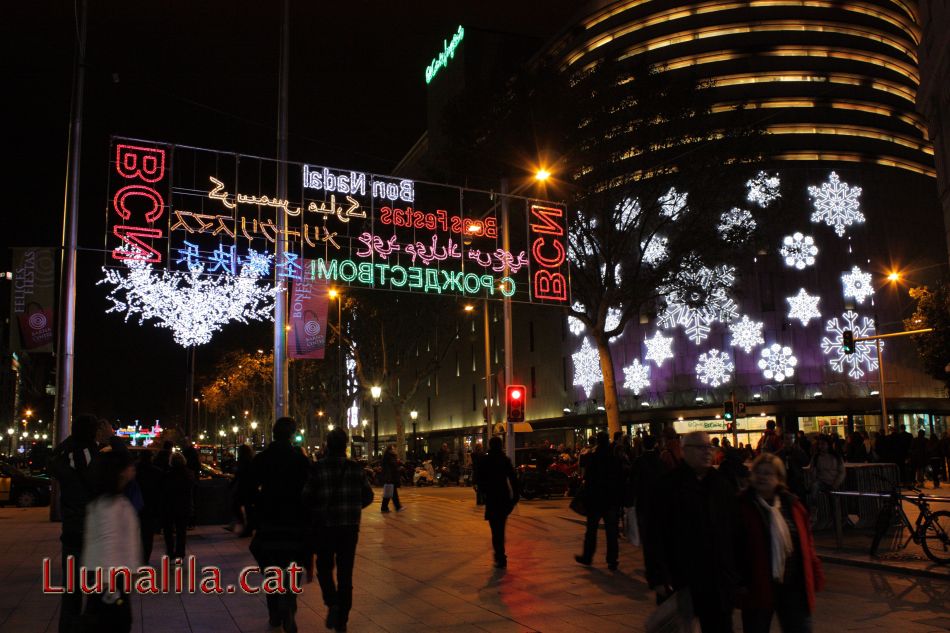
x=415 y=438
x=254 y=432
x=376 y=392
x=11 y=432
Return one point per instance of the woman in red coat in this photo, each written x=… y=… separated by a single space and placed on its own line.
x=777 y=559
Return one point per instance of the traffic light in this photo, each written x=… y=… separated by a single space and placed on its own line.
x=728 y=411
x=515 y=396
x=847 y=341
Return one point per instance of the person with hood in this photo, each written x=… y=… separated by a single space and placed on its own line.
x=779 y=568
x=499 y=485
x=603 y=494
x=71 y=467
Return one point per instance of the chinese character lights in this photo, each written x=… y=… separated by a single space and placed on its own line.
x=192 y=305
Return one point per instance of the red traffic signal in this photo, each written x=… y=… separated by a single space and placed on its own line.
x=515 y=401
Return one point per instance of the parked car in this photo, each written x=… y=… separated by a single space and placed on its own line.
x=22 y=489
x=540 y=473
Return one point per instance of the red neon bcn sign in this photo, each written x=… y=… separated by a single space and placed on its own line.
x=137 y=206
x=549 y=277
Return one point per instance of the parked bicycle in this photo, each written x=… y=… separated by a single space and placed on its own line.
x=931 y=530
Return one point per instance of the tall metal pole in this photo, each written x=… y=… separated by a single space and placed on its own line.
x=67 y=321
x=506 y=304
x=880 y=376
x=280 y=304
x=339 y=360
x=488 y=397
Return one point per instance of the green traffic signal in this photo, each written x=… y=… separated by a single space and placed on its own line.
x=847 y=342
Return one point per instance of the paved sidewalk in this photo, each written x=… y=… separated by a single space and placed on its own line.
x=429 y=569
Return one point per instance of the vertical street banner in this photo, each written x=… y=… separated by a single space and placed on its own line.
x=32 y=300
x=309 y=301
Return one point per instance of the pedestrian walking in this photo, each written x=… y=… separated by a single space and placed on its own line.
x=690 y=537
x=857 y=452
x=603 y=495
x=279 y=474
x=111 y=540
x=771 y=441
x=671 y=451
x=335 y=494
x=149 y=478
x=829 y=475
x=645 y=476
x=242 y=505
x=919 y=458
x=177 y=485
x=499 y=485
x=71 y=467
x=391 y=477
x=779 y=568
x=478 y=453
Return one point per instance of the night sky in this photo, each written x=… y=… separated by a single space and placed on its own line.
x=205 y=73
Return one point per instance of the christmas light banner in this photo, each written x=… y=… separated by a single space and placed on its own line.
x=308 y=304
x=185 y=209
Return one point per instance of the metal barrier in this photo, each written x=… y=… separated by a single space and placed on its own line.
x=859 y=478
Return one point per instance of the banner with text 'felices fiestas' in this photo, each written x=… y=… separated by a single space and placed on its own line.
x=32 y=300
x=309 y=300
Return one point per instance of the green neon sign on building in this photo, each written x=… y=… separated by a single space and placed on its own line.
x=448 y=52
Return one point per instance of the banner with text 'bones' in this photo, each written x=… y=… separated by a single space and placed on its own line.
x=184 y=208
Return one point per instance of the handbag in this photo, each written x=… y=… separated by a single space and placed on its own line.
x=388 y=491
x=674 y=615
x=579 y=502
x=631 y=528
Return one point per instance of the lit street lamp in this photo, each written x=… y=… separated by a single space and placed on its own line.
x=376 y=392
x=413 y=415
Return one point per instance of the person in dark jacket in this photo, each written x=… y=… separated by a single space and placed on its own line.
x=279 y=474
x=336 y=492
x=149 y=478
x=391 y=475
x=176 y=505
x=71 y=466
x=645 y=476
x=478 y=453
x=242 y=505
x=857 y=452
x=499 y=485
x=603 y=489
x=690 y=536
x=779 y=568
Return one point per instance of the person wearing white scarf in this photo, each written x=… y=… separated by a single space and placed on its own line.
x=781 y=538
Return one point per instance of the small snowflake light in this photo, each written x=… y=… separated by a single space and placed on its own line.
x=865 y=354
x=192 y=305
x=672 y=203
x=714 y=368
x=799 y=250
x=636 y=377
x=654 y=251
x=836 y=204
x=803 y=307
x=746 y=334
x=659 y=348
x=612 y=321
x=575 y=325
x=587 y=367
x=777 y=362
x=763 y=189
x=857 y=284
x=736 y=225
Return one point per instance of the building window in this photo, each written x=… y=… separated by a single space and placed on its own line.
x=534 y=386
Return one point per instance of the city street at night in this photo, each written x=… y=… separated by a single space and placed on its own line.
x=429 y=568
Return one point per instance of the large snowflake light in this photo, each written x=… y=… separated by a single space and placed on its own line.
x=636 y=377
x=857 y=284
x=746 y=334
x=654 y=251
x=659 y=348
x=777 y=362
x=763 y=189
x=836 y=204
x=697 y=298
x=672 y=202
x=587 y=367
x=864 y=352
x=192 y=305
x=798 y=250
x=714 y=368
x=803 y=307
x=736 y=225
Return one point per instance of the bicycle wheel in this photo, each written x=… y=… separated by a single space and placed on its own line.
x=936 y=537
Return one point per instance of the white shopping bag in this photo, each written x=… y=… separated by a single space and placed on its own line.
x=675 y=615
x=631 y=529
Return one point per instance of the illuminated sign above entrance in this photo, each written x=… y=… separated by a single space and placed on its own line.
x=448 y=52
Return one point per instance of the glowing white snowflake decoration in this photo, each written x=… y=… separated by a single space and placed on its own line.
x=736 y=224
x=798 y=250
x=857 y=284
x=575 y=325
x=763 y=189
x=654 y=251
x=777 y=362
x=746 y=334
x=672 y=203
x=803 y=307
x=864 y=351
x=659 y=348
x=192 y=305
x=587 y=367
x=697 y=298
x=714 y=368
x=836 y=204
x=629 y=213
x=636 y=377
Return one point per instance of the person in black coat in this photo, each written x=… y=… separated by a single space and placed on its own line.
x=689 y=543
x=645 y=475
x=391 y=475
x=242 y=503
x=177 y=484
x=149 y=478
x=499 y=485
x=603 y=494
x=280 y=472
